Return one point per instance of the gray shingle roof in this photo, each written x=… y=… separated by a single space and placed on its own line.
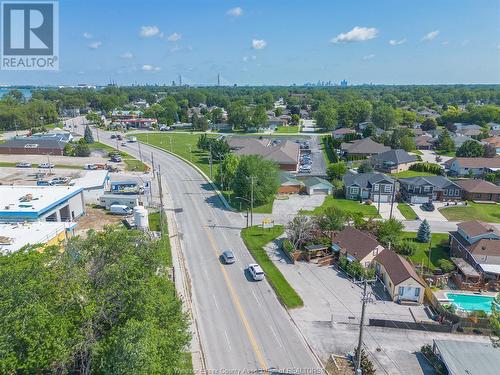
x=397 y=157
x=439 y=182
x=364 y=146
x=365 y=180
x=41 y=143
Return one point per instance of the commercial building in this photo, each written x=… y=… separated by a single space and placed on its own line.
x=33 y=146
x=15 y=236
x=41 y=203
x=94 y=184
x=286 y=154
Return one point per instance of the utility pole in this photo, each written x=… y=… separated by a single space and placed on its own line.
x=378 y=207
x=97 y=133
x=161 y=198
x=211 y=162
x=140 y=153
x=364 y=299
x=15 y=124
x=393 y=195
x=221 y=176
x=252 y=179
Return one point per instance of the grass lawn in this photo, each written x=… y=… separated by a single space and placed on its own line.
x=7 y=164
x=241 y=206
x=135 y=165
x=345 y=205
x=473 y=211
x=255 y=239
x=154 y=225
x=186 y=365
x=406 y=174
x=448 y=153
x=439 y=249
x=287 y=129
x=407 y=211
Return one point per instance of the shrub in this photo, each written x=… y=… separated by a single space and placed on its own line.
x=406 y=248
x=424 y=232
x=445 y=265
x=427 y=167
x=287 y=246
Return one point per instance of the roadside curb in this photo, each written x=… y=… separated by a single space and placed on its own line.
x=217 y=191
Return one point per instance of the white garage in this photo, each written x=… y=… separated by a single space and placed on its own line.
x=419 y=200
x=318 y=186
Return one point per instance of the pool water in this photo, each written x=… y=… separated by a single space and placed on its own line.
x=471 y=302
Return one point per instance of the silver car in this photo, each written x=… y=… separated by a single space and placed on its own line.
x=228 y=257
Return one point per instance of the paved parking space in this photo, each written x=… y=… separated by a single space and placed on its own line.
x=284 y=210
x=429 y=215
x=318 y=167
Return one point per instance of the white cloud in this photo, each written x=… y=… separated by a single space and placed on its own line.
x=235 y=12
x=150 y=68
x=149 y=31
x=95 y=45
x=498 y=46
x=258 y=44
x=395 y=42
x=368 y=57
x=358 y=34
x=87 y=35
x=174 y=37
x=127 y=55
x=430 y=36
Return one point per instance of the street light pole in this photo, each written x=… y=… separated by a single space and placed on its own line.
x=252 y=179
x=364 y=299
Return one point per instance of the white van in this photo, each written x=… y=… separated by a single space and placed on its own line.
x=120 y=209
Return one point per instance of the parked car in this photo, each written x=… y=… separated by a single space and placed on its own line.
x=116 y=158
x=428 y=207
x=23 y=164
x=228 y=257
x=120 y=209
x=90 y=167
x=256 y=271
x=119 y=137
x=43 y=183
x=46 y=165
x=59 y=180
x=113 y=136
x=124 y=144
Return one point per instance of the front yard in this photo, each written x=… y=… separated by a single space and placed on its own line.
x=439 y=249
x=255 y=238
x=345 y=205
x=407 y=211
x=473 y=211
x=287 y=129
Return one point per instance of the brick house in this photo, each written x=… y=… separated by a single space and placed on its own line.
x=479 y=190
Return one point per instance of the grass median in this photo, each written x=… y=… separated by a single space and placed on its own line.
x=407 y=211
x=255 y=239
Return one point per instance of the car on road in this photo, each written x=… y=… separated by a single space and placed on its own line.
x=46 y=165
x=113 y=136
x=119 y=137
x=124 y=144
x=23 y=164
x=228 y=257
x=256 y=271
x=90 y=167
x=428 y=207
x=59 y=180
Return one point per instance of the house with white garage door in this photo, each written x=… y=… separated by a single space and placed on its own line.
x=316 y=185
x=423 y=189
x=372 y=186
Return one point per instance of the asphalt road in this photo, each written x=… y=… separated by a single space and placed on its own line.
x=242 y=324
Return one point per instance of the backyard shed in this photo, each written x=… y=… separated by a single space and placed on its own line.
x=316 y=185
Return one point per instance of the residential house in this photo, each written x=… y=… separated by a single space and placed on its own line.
x=372 y=186
x=289 y=184
x=393 y=161
x=473 y=166
x=493 y=142
x=467 y=129
x=316 y=185
x=356 y=245
x=399 y=277
x=479 y=190
x=363 y=148
x=342 y=132
x=285 y=154
x=479 y=245
x=423 y=189
x=425 y=142
x=428 y=113
x=493 y=126
x=459 y=139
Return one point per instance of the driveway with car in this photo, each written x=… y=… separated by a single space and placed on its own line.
x=429 y=215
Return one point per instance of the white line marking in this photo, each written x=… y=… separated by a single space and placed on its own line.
x=215 y=301
x=276 y=337
x=227 y=340
x=256 y=298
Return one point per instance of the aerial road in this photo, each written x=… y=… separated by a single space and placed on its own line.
x=241 y=323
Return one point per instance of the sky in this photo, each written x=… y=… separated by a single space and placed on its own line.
x=273 y=42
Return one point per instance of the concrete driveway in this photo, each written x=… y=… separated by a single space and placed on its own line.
x=385 y=211
x=284 y=210
x=430 y=216
x=430 y=157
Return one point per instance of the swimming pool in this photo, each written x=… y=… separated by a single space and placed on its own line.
x=471 y=302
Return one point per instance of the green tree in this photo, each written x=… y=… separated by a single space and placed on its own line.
x=470 y=149
x=265 y=176
x=406 y=248
x=326 y=116
x=429 y=124
x=424 y=232
x=384 y=117
x=445 y=265
x=82 y=148
x=445 y=143
x=335 y=171
x=229 y=167
x=259 y=116
x=390 y=231
x=332 y=218
x=89 y=138
x=238 y=116
x=365 y=167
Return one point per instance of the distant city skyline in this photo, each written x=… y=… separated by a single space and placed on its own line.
x=273 y=43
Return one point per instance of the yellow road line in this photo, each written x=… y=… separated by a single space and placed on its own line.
x=237 y=304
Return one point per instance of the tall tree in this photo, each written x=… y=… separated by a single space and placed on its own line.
x=89 y=138
x=384 y=117
x=424 y=232
x=326 y=116
x=470 y=149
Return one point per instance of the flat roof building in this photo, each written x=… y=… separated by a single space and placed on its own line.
x=41 y=203
x=94 y=184
x=14 y=236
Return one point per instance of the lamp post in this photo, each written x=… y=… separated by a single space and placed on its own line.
x=246 y=200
